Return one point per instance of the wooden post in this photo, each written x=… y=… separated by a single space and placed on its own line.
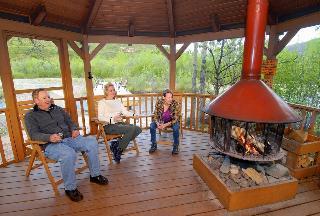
x=89 y=84
x=172 y=57
x=172 y=62
x=11 y=101
x=67 y=79
x=272 y=45
x=275 y=46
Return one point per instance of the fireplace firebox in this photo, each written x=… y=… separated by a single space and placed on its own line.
x=247 y=140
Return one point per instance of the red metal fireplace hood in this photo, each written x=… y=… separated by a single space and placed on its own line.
x=251 y=99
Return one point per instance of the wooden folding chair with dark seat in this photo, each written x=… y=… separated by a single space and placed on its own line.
x=178 y=98
x=37 y=153
x=109 y=137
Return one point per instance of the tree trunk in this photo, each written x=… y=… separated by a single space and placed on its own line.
x=202 y=79
x=203 y=67
x=217 y=84
x=195 y=68
x=194 y=82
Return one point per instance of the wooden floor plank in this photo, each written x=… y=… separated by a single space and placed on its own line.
x=298 y=210
x=143 y=184
x=185 y=209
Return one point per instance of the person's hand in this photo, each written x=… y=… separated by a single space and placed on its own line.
x=161 y=126
x=75 y=133
x=54 y=138
x=117 y=118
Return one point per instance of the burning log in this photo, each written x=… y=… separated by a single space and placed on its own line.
x=248 y=141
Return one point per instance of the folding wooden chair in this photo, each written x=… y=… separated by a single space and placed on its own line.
x=108 y=137
x=37 y=153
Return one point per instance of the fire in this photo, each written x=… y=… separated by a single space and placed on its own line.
x=249 y=147
x=250 y=144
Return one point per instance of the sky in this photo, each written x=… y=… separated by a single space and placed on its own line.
x=305 y=34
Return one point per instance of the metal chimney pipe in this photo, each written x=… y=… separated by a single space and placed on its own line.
x=257 y=13
x=250 y=99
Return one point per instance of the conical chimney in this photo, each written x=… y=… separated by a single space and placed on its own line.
x=250 y=99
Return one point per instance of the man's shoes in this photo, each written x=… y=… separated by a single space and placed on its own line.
x=175 y=150
x=74 y=195
x=117 y=155
x=153 y=148
x=101 y=180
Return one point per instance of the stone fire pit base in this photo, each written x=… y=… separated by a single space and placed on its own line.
x=245 y=197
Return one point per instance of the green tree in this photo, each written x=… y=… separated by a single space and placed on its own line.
x=298 y=75
x=224 y=65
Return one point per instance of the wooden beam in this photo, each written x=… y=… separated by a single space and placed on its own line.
x=37 y=31
x=181 y=50
x=227 y=34
x=93 y=11
x=273 y=43
x=96 y=50
x=89 y=84
x=163 y=50
x=215 y=23
x=128 y=40
x=170 y=18
x=67 y=80
x=285 y=40
x=75 y=48
x=304 y=21
x=131 y=29
x=172 y=62
x=38 y=15
x=13 y=121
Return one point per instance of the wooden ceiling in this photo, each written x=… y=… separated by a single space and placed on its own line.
x=158 y=18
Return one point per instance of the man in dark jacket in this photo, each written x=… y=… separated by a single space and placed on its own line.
x=50 y=123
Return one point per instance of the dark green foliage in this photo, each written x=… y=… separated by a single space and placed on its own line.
x=298 y=75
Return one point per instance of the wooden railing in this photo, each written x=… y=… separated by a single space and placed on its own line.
x=310 y=118
x=191 y=105
x=6 y=151
x=193 y=117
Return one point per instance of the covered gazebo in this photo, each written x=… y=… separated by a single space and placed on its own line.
x=76 y=24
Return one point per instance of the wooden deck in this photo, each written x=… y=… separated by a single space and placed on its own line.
x=157 y=184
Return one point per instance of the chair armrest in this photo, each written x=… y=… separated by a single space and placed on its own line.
x=96 y=120
x=35 y=142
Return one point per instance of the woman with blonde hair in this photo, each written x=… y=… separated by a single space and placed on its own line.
x=112 y=111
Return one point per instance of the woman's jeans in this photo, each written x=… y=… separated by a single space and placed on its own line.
x=66 y=153
x=175 y=127
x=129 y=132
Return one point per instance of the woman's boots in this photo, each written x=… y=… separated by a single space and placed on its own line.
x=116 y=150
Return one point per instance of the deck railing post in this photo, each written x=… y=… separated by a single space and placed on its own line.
x=10 y=98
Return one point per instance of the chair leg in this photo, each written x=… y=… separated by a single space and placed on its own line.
x=98 y=133
x=107 y=147
x=46 y=167
x=136 y=146
x=32 y=158
x=85 y=157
